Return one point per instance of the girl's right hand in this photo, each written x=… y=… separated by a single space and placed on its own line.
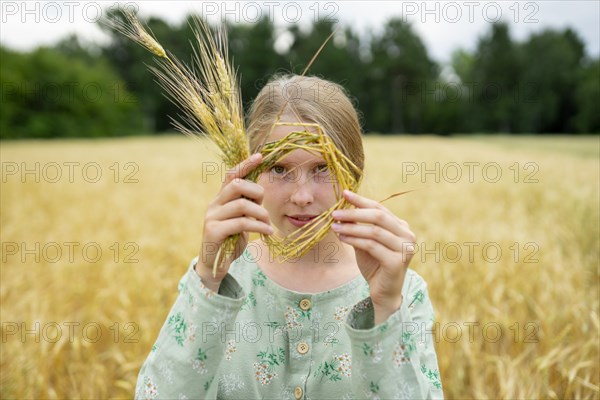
x=235 y=209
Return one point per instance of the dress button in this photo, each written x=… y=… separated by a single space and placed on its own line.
x=305 y=304
x=302 y=348
x=298 y=392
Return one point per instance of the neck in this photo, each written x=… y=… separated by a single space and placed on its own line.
x=326 y=266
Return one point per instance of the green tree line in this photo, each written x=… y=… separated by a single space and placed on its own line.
x=544 y=84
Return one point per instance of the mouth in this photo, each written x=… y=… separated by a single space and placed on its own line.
x=300 y=220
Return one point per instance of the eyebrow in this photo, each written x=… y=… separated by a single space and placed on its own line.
x=309 y=162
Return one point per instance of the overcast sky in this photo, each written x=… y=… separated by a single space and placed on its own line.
x=443 y=25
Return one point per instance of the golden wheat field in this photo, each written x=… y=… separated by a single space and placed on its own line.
x=97 y=233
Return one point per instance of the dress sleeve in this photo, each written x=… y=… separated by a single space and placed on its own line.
x=185 y=359
x=395 y=359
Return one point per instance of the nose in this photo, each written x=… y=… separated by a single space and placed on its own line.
x=303 y=193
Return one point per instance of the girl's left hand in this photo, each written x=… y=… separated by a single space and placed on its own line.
x=384 y=246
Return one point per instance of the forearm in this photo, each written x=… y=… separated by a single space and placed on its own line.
x=393 y=353
x=189 y=348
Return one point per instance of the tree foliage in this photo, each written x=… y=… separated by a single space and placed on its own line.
x=544 y=84
x=48 y=94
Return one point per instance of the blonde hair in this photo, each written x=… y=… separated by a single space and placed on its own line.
x=313 y=100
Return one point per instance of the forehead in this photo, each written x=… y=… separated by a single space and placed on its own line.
x=287 y=126
x=297 y=156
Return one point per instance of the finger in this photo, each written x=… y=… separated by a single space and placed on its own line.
x=244 y=224
x=370 y=216
x=362 y=202
x=374 y=232
x=241 y=188
x=242 y=208
x=372 y=247
x=242 y=169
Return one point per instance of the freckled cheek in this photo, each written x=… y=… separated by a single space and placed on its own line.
x=328 y=192
x=271 y=188
x=272 y=200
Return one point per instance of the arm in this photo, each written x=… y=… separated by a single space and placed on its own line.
x=189 y=349
x=390 y=331
x=395 y=359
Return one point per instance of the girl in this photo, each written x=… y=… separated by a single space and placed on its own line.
x=348 y=319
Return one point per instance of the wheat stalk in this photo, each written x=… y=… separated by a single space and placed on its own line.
x=211 y=103
x=133 y=29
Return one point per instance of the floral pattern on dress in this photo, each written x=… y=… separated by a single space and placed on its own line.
x=418 y=298
x=291 y=318
x=345 y=364
x=361 y=366
x=182 y=331
x=263 y=373
x=249 y=301
x=269 y=300
x=330 y=341
x=259 y=278
x=191 y=335
x=362 y=305
x=265 y=366
x=404 y=390
x=339 y=366
x=208 y=383
x=400 y=355
x=230 y=349
x=274 y=328
x=192 y=302
x=372 y=392
x=317 y=317
x=340 y=313
x=287 y=392
x=432 y=375
x=231 y=383
x=373 y=351
x=383 y=326
x=199 y=362
x=166 y=370
x=149 y=389
x=409 y=340
x=404 y=349
x=221 y=318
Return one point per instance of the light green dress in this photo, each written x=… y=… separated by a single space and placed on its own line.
x=257 y=340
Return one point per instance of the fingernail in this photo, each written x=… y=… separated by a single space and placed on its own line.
x=255 y=157
x=336 y=226
x=336 y=214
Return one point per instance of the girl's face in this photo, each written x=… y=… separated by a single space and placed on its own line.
x=297 y=188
